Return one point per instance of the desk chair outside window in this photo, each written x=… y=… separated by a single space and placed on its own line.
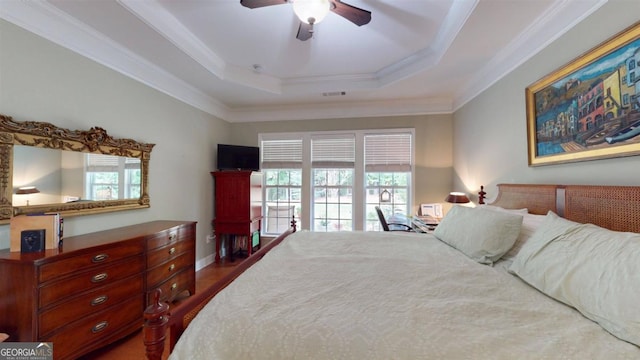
x=385 y=225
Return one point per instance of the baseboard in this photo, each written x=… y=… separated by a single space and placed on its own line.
x=205 y=262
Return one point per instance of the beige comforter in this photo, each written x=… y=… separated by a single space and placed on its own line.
x=387 y=296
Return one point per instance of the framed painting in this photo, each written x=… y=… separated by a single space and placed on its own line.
x=590 y=108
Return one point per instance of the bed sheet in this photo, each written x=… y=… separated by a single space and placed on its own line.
x=383 y=295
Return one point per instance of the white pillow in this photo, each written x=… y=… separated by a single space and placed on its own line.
x=530 y=223
x=592 y=269
x=523 y=211
x=481 y=234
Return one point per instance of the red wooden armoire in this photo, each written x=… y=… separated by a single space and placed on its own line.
x=238 y=209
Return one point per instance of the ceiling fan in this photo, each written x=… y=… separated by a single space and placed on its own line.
x=311 y=12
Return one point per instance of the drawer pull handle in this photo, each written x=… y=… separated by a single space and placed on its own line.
x=98 y=278
x=100 y=258
x=99 y=300
x=100 y=326
x=173 y=266
x=174 y=286
x=172 y=237
x=172 y=251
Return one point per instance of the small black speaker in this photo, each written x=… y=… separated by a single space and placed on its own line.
x=32 y=240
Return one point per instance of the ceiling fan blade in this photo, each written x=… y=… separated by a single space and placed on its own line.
x=252 y=4
x=355 y=15
x=305 y=31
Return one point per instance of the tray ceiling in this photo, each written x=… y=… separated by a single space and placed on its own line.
x=240 y=64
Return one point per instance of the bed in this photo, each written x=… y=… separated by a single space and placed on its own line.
x=557 y=288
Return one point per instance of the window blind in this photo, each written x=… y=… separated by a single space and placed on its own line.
x=132 y=163
x=281 y=154
x=333 y=152
x=101 y=163
x=387 y=152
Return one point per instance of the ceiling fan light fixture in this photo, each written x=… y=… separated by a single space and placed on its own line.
x=311 y=11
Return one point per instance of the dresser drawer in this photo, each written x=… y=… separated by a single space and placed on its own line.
x=95 y=278
x=96 y=328
x=184 y=280
x=71 y=265
x=89 y=303
x=169 y=268
x=163 y=238
x=171 y=236
x=166 y=253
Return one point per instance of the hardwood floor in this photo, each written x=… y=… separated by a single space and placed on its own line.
x=131 y=347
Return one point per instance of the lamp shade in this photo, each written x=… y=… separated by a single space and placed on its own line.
x=457 y=198
x=27 y=190
x=311 y=11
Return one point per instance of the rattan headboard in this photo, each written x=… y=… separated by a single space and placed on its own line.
x=612 y=207
x=539 y=199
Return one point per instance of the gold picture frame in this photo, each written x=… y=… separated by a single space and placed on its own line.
x=589 y=108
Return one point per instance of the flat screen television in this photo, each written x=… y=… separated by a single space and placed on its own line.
x=236 y=157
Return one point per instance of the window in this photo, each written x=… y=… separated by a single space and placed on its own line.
x=111 y=177
x=282 y=176
x=388 y=168
x=333 y=161
x=332 y=181
x=132 y=178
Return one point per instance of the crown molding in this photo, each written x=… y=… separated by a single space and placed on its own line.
x=52 y=24
x=551 y=25
x=47 y=21
x=163 y=22
x=340 y=110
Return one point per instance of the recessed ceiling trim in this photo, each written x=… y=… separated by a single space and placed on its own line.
x=553 y=23
x=47 y=21
x=253 y=79
x=408 y=66
x=453 y=23
x=164 y=23
x=430 y=56
x=157 y=17
x=337 y=110
x=411 y=65
x=314 y=85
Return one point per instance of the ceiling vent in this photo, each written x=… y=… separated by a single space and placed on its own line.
x=334 y=93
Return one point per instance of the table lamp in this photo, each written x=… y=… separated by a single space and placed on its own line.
x=27 y=190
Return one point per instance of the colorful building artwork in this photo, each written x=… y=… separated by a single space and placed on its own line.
x=596 y=106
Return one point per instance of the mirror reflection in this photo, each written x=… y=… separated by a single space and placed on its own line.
x=45 y=168
x=52 y=176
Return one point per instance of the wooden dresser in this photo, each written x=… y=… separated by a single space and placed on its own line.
x=93 y=290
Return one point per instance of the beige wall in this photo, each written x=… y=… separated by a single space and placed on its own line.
x=44 y=82
x=490 y=144
x=433 y=145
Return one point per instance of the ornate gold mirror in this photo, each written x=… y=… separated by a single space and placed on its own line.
x=44 y=168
